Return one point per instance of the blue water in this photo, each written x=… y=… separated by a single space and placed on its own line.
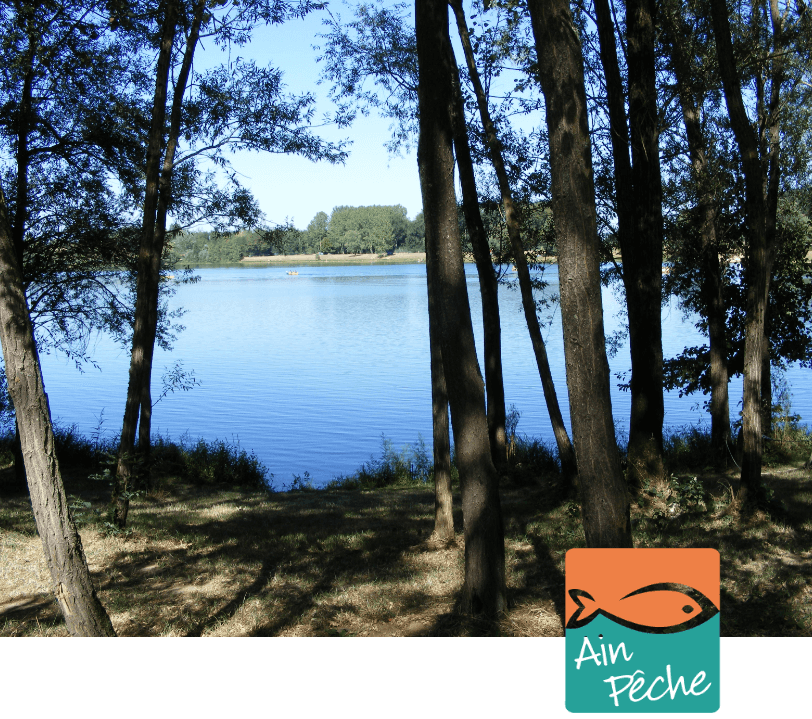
x=308 y=371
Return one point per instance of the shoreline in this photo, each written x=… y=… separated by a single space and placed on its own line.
x=400 y=258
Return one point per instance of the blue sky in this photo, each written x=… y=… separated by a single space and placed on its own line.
x=293 y=187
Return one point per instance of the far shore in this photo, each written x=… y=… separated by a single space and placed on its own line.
x=398 y=258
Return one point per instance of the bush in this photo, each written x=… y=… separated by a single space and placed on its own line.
x=215 y=462
x=535 y=456
x=790 y=441
x=689 y=448
x=410 y=466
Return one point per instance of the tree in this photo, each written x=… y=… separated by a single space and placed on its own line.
x=415 y=240
x=488 y=283
x=638 y=196
x=484 y=591
x=238 y=107
x=566 y=453
x=317 y=232
x=62 y=145
x=443 y=532
x=605 y=504
x=378 y=47
x=761 y=210
x=691 y=93
x=73 y=586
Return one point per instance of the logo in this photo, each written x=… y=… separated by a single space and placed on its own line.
x=642 y=630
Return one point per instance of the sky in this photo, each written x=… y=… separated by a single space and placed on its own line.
x=292 y=187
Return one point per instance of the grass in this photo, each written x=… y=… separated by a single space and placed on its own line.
x=218 y=559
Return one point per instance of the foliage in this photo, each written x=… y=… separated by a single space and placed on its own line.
x=412 y=465
x=375 y=229
x=372 y=64
x=71 y=133
x=176 y=378
x=789 y=308
x=216 y=462
x=689 y=449
x=316 y=232
x=789 y=441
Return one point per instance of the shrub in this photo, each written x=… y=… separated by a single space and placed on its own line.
x=412 y=465
x=689 y=448
x=790 y=441
x=536 y=456
x=215 y=462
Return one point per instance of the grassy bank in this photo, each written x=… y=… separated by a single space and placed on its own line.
x=209 y=557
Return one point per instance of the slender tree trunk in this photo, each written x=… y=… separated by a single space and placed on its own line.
x=566 y=452
x=443 y=503
x=757 y=265
x=83 y=612
x=711 y=280
x=773 y=172
x=488 y=284
x=605 y=502
x=484 y=591
x=21 y=204
x=141 y=355
x=164 y=200
x=639 y=212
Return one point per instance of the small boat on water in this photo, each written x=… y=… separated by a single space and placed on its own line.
x=292 y=272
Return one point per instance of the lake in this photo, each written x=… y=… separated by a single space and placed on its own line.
x=309 y=371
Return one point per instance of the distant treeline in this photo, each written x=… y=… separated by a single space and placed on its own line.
x=372 y=229
x=375 y=229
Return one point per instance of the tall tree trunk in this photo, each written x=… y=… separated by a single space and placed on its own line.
x=773 y=171
x=488 y=284
x=566 y=453
x=484 y=590
x=711 y=277
x=443 y=502
x=159 y=236
x=756 y=275
x=141 y=355
x=605 y=501
x=639 y=212
x=73 y=586
x=21 y=205
x=645 y=305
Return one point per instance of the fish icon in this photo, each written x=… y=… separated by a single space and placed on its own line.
x=662 y=608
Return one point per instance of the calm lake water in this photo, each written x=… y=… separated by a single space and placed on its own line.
x=309 y=371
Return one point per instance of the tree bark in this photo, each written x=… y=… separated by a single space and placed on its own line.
x=83 y=612
x=443 y=499
x=770 y=122
x=141 y=355
x=640 y=225
x=605 y=503
x=488 y=284
x=21 y=208
x=566 y=453
x=711 y=277
x=484 y=591
x=756 y=276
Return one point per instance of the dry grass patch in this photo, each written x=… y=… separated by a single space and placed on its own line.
x=215 y=561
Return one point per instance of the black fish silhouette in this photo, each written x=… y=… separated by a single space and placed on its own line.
x=706 y=607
